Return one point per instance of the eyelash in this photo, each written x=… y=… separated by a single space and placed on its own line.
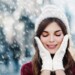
x=58 y=35
x=47 y=35
x=44 y=35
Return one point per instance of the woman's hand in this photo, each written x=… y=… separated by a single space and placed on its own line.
x=45 y=55
x=56 y=63
x=58 y=57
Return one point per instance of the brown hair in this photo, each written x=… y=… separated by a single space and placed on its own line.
x=37 y=62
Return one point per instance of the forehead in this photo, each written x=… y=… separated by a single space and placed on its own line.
x=52 y=27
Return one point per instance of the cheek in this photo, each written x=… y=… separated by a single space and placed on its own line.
x=43 y=40
x=59 y=40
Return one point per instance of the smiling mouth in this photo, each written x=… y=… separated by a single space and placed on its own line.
x=51 y=46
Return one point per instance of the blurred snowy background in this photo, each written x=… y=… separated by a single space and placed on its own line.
x=17 y=18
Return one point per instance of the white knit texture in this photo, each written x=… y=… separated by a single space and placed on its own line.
x=52 y=11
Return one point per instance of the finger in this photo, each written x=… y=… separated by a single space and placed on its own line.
x=64 y=43
x=40 y=45
x=39 y=42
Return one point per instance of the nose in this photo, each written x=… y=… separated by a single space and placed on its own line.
x=51 y=38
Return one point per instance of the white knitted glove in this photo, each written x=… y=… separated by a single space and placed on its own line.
x=45 y=56
x=58 y=57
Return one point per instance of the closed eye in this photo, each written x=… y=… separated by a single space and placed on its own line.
x=58 y=33
x=45 y=33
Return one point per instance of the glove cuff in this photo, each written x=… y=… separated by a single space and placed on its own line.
x=47 y=66
x=57 y=66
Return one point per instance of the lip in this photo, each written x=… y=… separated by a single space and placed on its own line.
x=51 y=46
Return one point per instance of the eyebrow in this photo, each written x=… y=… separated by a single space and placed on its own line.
x=55 y=31
x=58 y=30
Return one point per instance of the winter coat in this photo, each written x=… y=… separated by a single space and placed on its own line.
x=27 y=69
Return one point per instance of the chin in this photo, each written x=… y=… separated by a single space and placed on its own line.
x=52 y=52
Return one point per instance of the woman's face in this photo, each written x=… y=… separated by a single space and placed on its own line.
x=52 y=37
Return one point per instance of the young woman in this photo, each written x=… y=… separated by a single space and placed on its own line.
x=53 y=46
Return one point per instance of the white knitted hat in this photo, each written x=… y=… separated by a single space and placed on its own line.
x=52 y=11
